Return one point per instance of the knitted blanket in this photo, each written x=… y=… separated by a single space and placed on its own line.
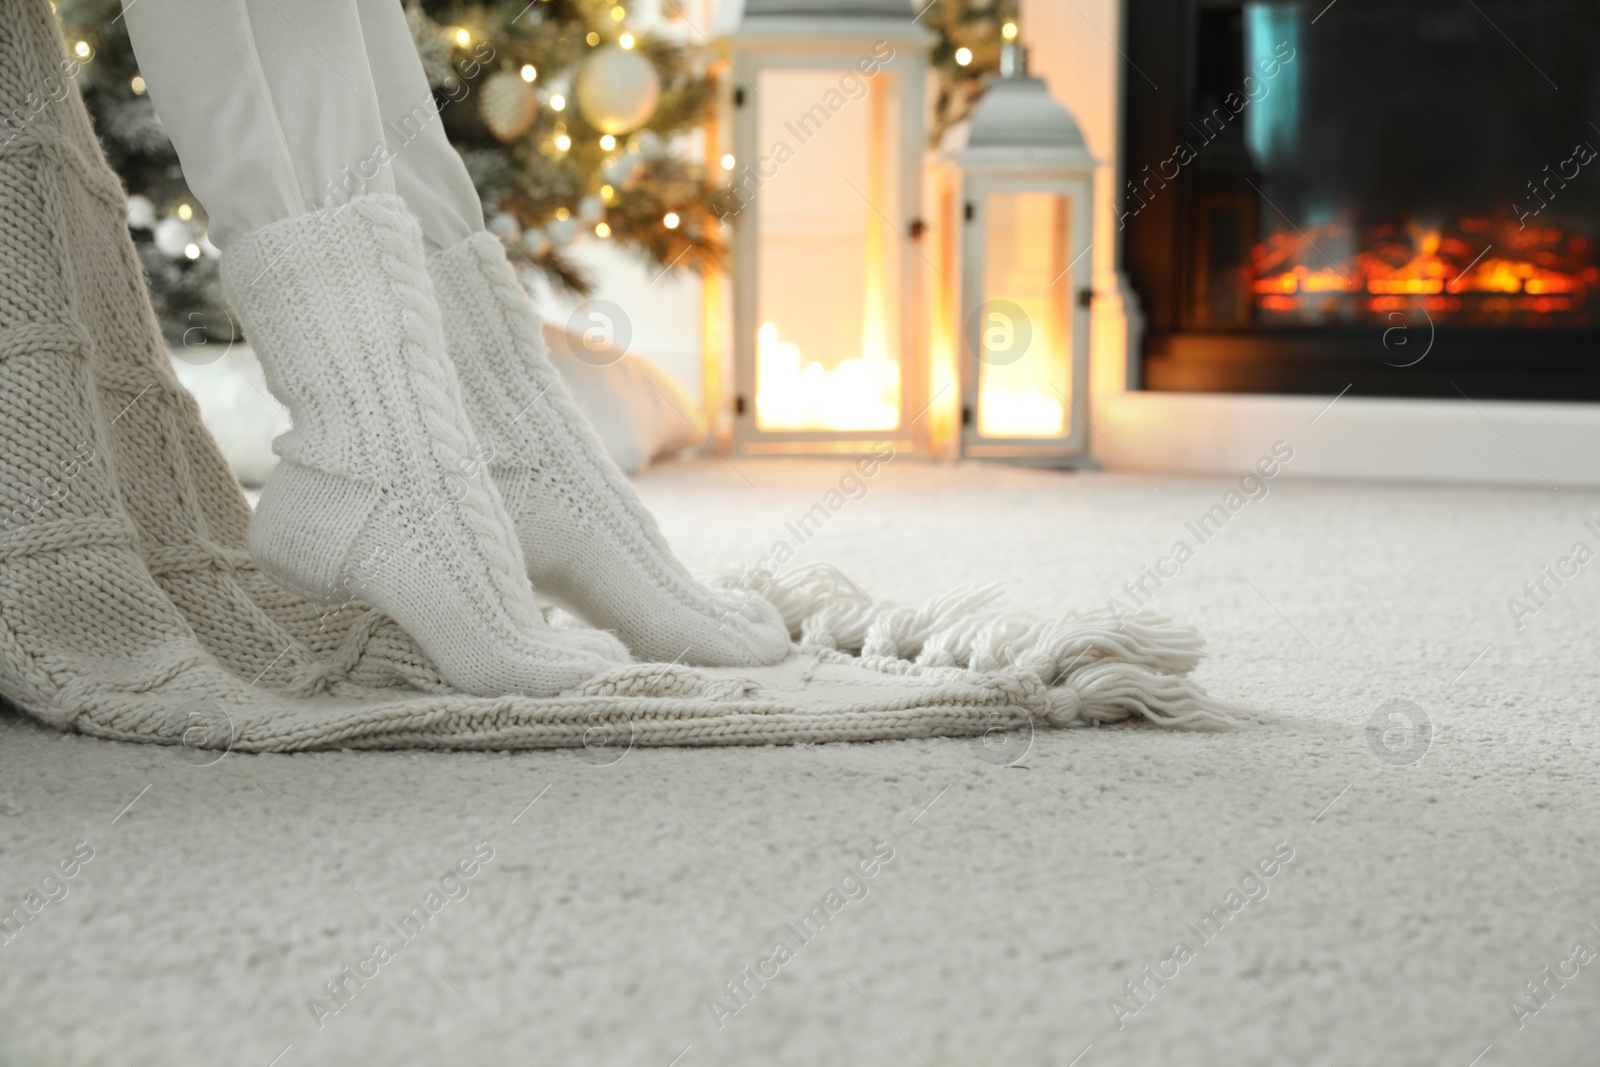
x=130 y=608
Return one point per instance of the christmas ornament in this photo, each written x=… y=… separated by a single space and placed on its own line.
x=508 y=105
x=173 y=236
x=504 y=225
x=141 y=212
x=618 y=169
x=534 y=242
x=650 y=144
x=561 y=231
x=618 y=89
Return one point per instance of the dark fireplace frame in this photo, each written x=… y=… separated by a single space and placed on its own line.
x=1408 y=357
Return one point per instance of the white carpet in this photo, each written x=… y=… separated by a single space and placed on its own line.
x=1019 y=900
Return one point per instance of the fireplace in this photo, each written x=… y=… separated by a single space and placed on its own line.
x=1389 y=197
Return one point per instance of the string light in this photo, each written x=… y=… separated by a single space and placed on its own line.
x=82 y=48
x=602 y=231
x=138 y=85
x=626 y=40
x=618 y=13
x=558 y=103
x=528 y=72
x=563 y=214
x=563 y=142
x=728 y=161
x=192 y=250
x=608 y=142
x=963 y=56
x=607 y=193
x=1009 y=31
x=671 y=221
x=593 y=38
x=463 y=38
x=185 y=212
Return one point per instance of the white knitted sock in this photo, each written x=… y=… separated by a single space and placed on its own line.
x=587 y=538
x=382 y=493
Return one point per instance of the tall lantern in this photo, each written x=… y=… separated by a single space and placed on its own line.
x=828 y=138
x=1026 y=275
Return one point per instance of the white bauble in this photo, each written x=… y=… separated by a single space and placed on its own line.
x=508 y=105
x=650 y=144
x=504 y=225
x=561 y=231
x=618 y=89
x=590 y=209
x=534 y=242
x=619 y=168
x=141 y=212
x=173 y=236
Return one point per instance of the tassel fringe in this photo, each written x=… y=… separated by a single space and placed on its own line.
x=1096 y=667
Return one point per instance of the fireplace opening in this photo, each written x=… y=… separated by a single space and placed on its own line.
x=1398 y=196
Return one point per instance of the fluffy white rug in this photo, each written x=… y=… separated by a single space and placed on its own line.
x=1006 y=907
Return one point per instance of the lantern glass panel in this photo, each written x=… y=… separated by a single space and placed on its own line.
x=1024 y=330
x=827 y=353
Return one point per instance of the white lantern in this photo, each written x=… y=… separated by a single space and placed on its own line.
x=828 y=131
x=1026 y=277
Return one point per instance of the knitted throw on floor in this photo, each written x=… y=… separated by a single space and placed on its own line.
x=130 y=608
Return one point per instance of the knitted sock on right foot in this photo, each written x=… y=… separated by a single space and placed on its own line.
x=382 y=494
x=587 y=538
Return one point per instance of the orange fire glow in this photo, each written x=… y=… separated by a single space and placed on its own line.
x=1479 y=271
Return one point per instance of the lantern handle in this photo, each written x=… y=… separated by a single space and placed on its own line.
x=1013 y=60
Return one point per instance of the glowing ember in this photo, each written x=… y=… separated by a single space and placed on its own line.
x=858 y=394
x=1477 y=271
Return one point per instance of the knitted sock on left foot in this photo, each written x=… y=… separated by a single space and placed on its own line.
x=586 y=537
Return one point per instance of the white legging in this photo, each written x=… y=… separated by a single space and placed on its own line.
x=279 y=107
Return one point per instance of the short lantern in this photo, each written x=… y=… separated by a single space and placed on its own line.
x=1026 y=276
x=827 y=105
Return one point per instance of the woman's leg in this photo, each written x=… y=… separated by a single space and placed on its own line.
x=584 y=534
x=381 y=493
x=270 y=103
x=427 y=172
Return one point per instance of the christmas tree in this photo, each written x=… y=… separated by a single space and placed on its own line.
x=565 y=113
x=966 y=56
x=565 y=116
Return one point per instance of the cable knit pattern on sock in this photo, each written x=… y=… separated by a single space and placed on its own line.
x=587 y=539
x=383 y=493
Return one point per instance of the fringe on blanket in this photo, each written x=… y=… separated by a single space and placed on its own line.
x=1098 y=668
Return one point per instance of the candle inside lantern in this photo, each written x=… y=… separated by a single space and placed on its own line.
x=1025 y=382
x=797 y=394
x=827 y=348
